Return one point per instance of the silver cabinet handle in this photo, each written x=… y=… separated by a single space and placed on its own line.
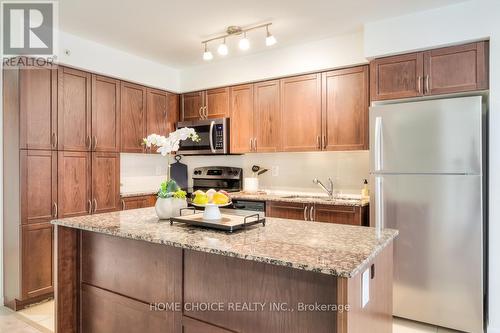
x=199 y=112
x=427 y=88
x=123 y=204
x=318 y=142
x=54 y=209
x=311 y=213
x=305 y=213
x=419 y=85
x=206 y=112
x=88 y=142
x=95 y=205
x=251 y=144
x=210 y=135
x=90 y=206
x=378 y=143
x=94 y=139
x=324 y=141
x=54 y=140
x=255 y=144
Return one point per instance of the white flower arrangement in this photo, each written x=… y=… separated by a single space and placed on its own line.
x=167 y=145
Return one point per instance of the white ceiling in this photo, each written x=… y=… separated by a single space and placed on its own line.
x=171 y=32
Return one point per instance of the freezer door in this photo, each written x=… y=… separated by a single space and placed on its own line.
x=438 y=255
x=435 y=136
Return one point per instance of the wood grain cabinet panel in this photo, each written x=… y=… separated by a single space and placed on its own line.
x=37 y=260
x=74 y=184
x=105 y=182
x=38 y=186
x=133 y=117
x=345 y=109
x=157 y=113
x=105 y=114
x=172 y=112
x=217 y=103
x=190 y=325
x=241 y=118
x=287 y=210
x=74 y=110
x=301 y=113
x=267 y=117
x=397 y=77
x=352 y=215
x=192 y=104
x=38 y=108
x=456 y=68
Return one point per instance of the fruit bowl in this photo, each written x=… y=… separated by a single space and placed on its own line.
x=208 y=204
x=212 y=211
x=209 y=200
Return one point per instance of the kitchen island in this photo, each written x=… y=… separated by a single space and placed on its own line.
x=127 y=272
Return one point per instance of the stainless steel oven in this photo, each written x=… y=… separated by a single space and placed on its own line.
x=214 y=135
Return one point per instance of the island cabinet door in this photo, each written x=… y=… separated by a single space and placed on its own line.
x=267 y=117
x=105 y=114
x=242 y=133
x=74 y=110
x=301 y=113
x=133 y=117
x=105 y=182
x=74 y=184
x=287 y=210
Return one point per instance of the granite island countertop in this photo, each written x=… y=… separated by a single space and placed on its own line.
x=327 y=248
x=342 y=200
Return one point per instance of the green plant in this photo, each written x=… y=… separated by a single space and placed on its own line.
x=168 y=188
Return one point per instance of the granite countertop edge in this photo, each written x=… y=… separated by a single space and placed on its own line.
x=283 y=198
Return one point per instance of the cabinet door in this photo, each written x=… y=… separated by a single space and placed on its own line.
x=157 y=116
x=217 y=103
x=38 y=108
x=37 y=260
x=345 y=109
x=267 y=119
x=172 y=112
x=192 y=104
x=351 y=215
x=133 y=117
x=190 y=325
x=456 y=69
x=142 y=201
x=287 y=210
x=74 y=172
x=301 y=113
x=105 y=182
x=105 y=114
x=241 y=119
x=74 y=104
x=397 y=77
x=38 y=186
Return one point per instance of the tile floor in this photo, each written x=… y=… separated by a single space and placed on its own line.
x=40 y=319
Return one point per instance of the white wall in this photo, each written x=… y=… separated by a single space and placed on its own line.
x=466 y=21
x=92 y=56
x=334 y=52
x=296 y=170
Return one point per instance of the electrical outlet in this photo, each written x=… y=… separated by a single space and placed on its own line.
x=275 y=171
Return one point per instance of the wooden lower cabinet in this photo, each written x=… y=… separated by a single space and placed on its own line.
x=142 y=201
x=37 y=260
x=286 y=210
x=190 y=325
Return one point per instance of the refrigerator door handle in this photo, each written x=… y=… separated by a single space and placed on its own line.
x=379 y=207
x=378 y=143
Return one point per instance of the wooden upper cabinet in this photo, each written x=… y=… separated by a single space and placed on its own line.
x=37 y=260
x=345 y=109
x=217 y=103
x=74 y=107
x=157 y=113
x=266 y=116
x=241 y=118
x=397 y=77
x=38 y=186
x=301 y=113
x=172 y=111
x=74 y=184
x=105 y=114
x=105 y=182
x=456 y=68
x=192 y=104
x=133 y=117
x=38 y=108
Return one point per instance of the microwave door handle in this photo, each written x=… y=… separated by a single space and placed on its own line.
x=378 y=144
x=210 y=135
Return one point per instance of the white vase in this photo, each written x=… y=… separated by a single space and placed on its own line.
x=169 y=207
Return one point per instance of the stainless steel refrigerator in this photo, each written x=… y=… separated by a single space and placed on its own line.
x=427 y=182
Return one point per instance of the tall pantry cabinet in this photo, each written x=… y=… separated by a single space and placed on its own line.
x=61 y=158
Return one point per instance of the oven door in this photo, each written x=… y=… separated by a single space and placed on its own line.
x=213 y=135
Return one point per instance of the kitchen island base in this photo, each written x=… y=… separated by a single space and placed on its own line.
x=111 y=284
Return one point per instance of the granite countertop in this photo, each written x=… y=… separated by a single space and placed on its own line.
x=342 y=200
x=333 y=249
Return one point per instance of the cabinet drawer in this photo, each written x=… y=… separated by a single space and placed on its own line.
x=286 y=210
x=142 y=201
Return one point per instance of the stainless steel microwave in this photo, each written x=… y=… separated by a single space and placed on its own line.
x=214 y=135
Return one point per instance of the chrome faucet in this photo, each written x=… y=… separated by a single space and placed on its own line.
x=329 y=191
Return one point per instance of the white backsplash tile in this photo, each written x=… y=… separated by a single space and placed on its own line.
x=143 y=172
